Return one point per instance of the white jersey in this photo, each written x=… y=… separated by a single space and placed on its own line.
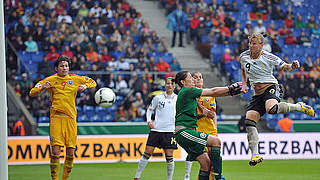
x=164 y=106
x=260 y=70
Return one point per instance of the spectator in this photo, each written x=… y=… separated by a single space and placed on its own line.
x=248 y=28
x=312 y=91
x=52 y=55
x=123 y=65
x=121 y=114
x=31 y=45
x=92 y=55
x=303 y=39
x=11 y=64
x=18 y=44
x=113 y=64
x=227 y=56
x=18 y=128
x=285 y=124
x=259 y=7
x=84 y=65
x=45 y=67
x=266 y=46
x=194 y=24
x=24 y=81
x=299 y=23
x=96 y=10
x=260 y=28
x=234 y=6
x=311 y=23
x=148 y=45
x=162 y=66
x=177 y=23
x=277 y=13
x=162 y=47
x=64 y=16
x=272 y=30
x=316 y=32
x=275 y=47
x=67 y=52
x=307 y=65
x=314 y=72
x=289 y=22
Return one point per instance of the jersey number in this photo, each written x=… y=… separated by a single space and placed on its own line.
x=63 y=84
x=248 y=66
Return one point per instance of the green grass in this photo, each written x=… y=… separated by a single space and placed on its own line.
x=233 y=170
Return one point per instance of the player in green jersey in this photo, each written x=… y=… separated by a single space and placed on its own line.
x=192 y=141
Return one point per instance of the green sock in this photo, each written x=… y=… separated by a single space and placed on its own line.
x=216 y=161
x=203 y=175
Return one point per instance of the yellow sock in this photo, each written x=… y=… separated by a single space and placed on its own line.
x=55 y=167
x=67 y=167
x=211 y=176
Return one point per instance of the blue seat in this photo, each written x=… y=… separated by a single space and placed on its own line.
x=79 y=110
x=101 y=111
x=88 y=111
x=310 y=51
x=43 y=119
x=83 y=118
x=95 y=118
x=107 y=118
x=118 y=100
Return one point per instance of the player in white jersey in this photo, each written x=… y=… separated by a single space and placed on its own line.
x=161 y=128
x=258 y=65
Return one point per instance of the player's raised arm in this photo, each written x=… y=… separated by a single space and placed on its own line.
x=39 y=87
x=290 y=67
x=89 y=82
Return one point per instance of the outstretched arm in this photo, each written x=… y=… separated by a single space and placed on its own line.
x=233 y=89
x=290 y=67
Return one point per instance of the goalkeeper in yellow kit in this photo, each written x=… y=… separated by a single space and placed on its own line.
x=207 y=121
x=63 y=88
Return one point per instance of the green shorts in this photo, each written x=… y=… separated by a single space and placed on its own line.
x=192 y=141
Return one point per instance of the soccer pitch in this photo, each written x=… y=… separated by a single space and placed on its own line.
x=233 y=170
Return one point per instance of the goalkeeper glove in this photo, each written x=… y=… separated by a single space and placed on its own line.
x=235 y=88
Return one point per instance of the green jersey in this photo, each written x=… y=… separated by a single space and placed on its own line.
x=186 y=106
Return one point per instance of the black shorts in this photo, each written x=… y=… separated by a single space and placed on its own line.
x=258 y=102
x=164 y=140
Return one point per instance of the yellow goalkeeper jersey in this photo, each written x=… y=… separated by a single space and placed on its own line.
x=63 y=92
x=206 y=124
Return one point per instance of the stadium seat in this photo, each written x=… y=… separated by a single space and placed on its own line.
x=83 y=118
x=43 y=119
x=88 y=111
x=107 y=118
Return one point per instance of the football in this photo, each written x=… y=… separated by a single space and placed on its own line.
x=105 y=97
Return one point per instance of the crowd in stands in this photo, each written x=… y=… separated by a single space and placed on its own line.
x=108 y=39
x=220 y=29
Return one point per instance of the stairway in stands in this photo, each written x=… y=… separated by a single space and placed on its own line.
x=188 y=57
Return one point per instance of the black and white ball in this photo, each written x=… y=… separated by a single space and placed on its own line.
x=105 y=97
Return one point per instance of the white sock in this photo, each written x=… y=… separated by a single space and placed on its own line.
x=142 y=164
x=170 y=170
x=188 y=170
x=253 y=139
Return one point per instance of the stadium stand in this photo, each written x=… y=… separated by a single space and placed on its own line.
x=115 y=29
